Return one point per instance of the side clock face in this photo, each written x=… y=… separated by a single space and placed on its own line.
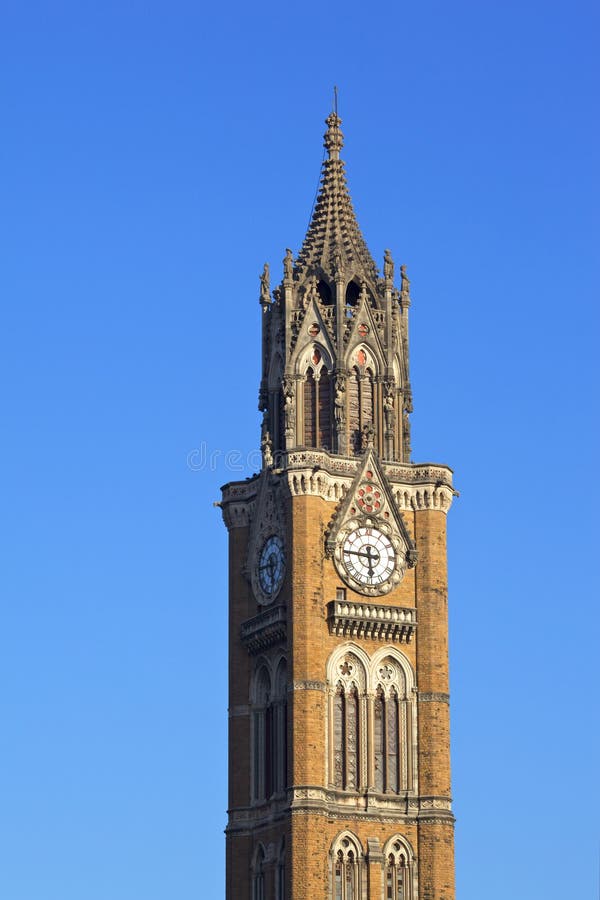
x=271 y=566
x=368 y=556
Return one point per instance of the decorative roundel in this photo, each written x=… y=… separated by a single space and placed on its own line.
x=369 y=557
x=271 y=567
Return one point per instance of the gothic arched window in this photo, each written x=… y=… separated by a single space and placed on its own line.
x=279 y=755
x=324 y=409
x=280 y=873
x=392 y=729
x=371 y=699
x=346 y=739
x=310 y=409
x=262 y=728
x=258 y=875
x=317 y=406
x=361 y=402
x=347 y=724
x=346 y=858
x=269 y=731
x=399 y=870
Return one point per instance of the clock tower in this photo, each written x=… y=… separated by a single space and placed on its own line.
x=339 y=766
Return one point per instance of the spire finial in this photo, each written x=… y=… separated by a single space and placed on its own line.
x=334 y=139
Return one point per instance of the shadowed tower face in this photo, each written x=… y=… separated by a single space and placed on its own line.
x=339 y=769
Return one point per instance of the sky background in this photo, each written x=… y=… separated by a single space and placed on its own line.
x=153 y=156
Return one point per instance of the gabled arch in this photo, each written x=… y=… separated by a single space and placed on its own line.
x=261 y=683
x=306 y=357
x=347 y=841
x=275 y=372
x=393 y=653
x=374 y=360
x=352 y=293
x=258 y=877
x=338 y=655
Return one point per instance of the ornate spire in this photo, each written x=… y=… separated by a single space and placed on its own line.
x=334 y=239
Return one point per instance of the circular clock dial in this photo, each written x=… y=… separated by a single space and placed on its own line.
x=271 y=565
x=369 y=556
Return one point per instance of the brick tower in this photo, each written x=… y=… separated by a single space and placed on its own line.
x=339 y=768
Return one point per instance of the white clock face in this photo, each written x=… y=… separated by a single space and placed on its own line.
x=368 y=556
x=271 y=566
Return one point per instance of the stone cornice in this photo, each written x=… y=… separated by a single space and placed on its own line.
x=318 y=473
x=371 y=620
x=404 y=808
x=264 y=630
x=433 y=697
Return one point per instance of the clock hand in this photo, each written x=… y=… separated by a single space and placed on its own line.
x=368 y=555
x=370 y=558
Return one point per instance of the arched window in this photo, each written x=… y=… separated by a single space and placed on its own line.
x=399 y=870
x=262 y=728
x=392 y=733
x=324 y=292
x=346 y=868
x=258 y=875
x=280 y=730
x=280 y=873
x=347 y=734
x=372 y=721
x=269 y=739
x=354 y=411
x=317 y=406
x=345 y=731
x=310 y=409
x=361 y=403
x=367 y=409
x=352 y=294
x=324 y=409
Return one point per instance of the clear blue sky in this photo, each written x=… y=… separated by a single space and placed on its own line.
x=153 y=156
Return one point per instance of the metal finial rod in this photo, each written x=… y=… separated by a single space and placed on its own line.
x=335 y=99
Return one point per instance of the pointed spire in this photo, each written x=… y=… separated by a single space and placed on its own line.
x=334 y=240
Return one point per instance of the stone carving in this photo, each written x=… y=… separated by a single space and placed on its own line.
x=310 y=291
x=288 y=265
x=340 y=400
x=367 y=436
x=405 y=283
x=289 y=409
x=338 y=263
x=388 y=410
x=388 y=267
x=266 y=444
x=265 y=285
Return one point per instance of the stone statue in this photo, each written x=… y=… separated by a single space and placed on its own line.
x=388 y=411
x=311 y=292
x=367 y=436
x=405 y=436
x=266 y=446
x=405 y=285
x=288 y=265
x=265 y=285
x=338 y=264
x=289 y=408
x=388 y=266
x=339 y=401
